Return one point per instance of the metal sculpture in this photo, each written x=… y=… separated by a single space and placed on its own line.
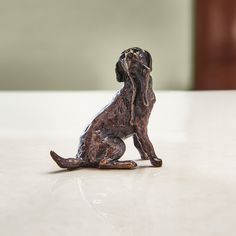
x=101 y=145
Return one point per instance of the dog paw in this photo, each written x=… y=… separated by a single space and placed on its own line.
x=157 y=162
x=132 y=164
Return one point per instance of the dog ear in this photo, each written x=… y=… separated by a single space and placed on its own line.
x=119 y=72
x=149 y=60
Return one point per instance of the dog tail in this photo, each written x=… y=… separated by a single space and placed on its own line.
x=69 y=163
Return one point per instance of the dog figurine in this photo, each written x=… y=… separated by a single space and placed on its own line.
x=101 y=145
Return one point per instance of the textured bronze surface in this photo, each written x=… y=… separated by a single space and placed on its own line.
x=101 y=145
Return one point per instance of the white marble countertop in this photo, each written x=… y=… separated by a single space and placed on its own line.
x=194 y=193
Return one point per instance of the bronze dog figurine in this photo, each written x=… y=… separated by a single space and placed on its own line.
x=101 y=146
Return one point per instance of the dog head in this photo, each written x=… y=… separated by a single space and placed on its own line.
x=135 y=65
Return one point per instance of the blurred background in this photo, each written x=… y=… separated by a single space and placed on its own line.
x=74 y=44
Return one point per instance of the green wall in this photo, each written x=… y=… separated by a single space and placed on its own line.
x=74 y=44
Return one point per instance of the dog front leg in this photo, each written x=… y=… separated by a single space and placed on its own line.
x=139 y=147
x=148 y=147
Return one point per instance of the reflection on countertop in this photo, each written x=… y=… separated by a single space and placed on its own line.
x=192 y=194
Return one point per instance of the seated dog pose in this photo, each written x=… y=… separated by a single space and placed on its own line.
x=101 y=145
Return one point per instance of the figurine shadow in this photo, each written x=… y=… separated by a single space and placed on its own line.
x=90 y=168
x=57 y=171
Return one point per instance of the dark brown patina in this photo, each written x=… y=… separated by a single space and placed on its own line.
x=101 y=145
